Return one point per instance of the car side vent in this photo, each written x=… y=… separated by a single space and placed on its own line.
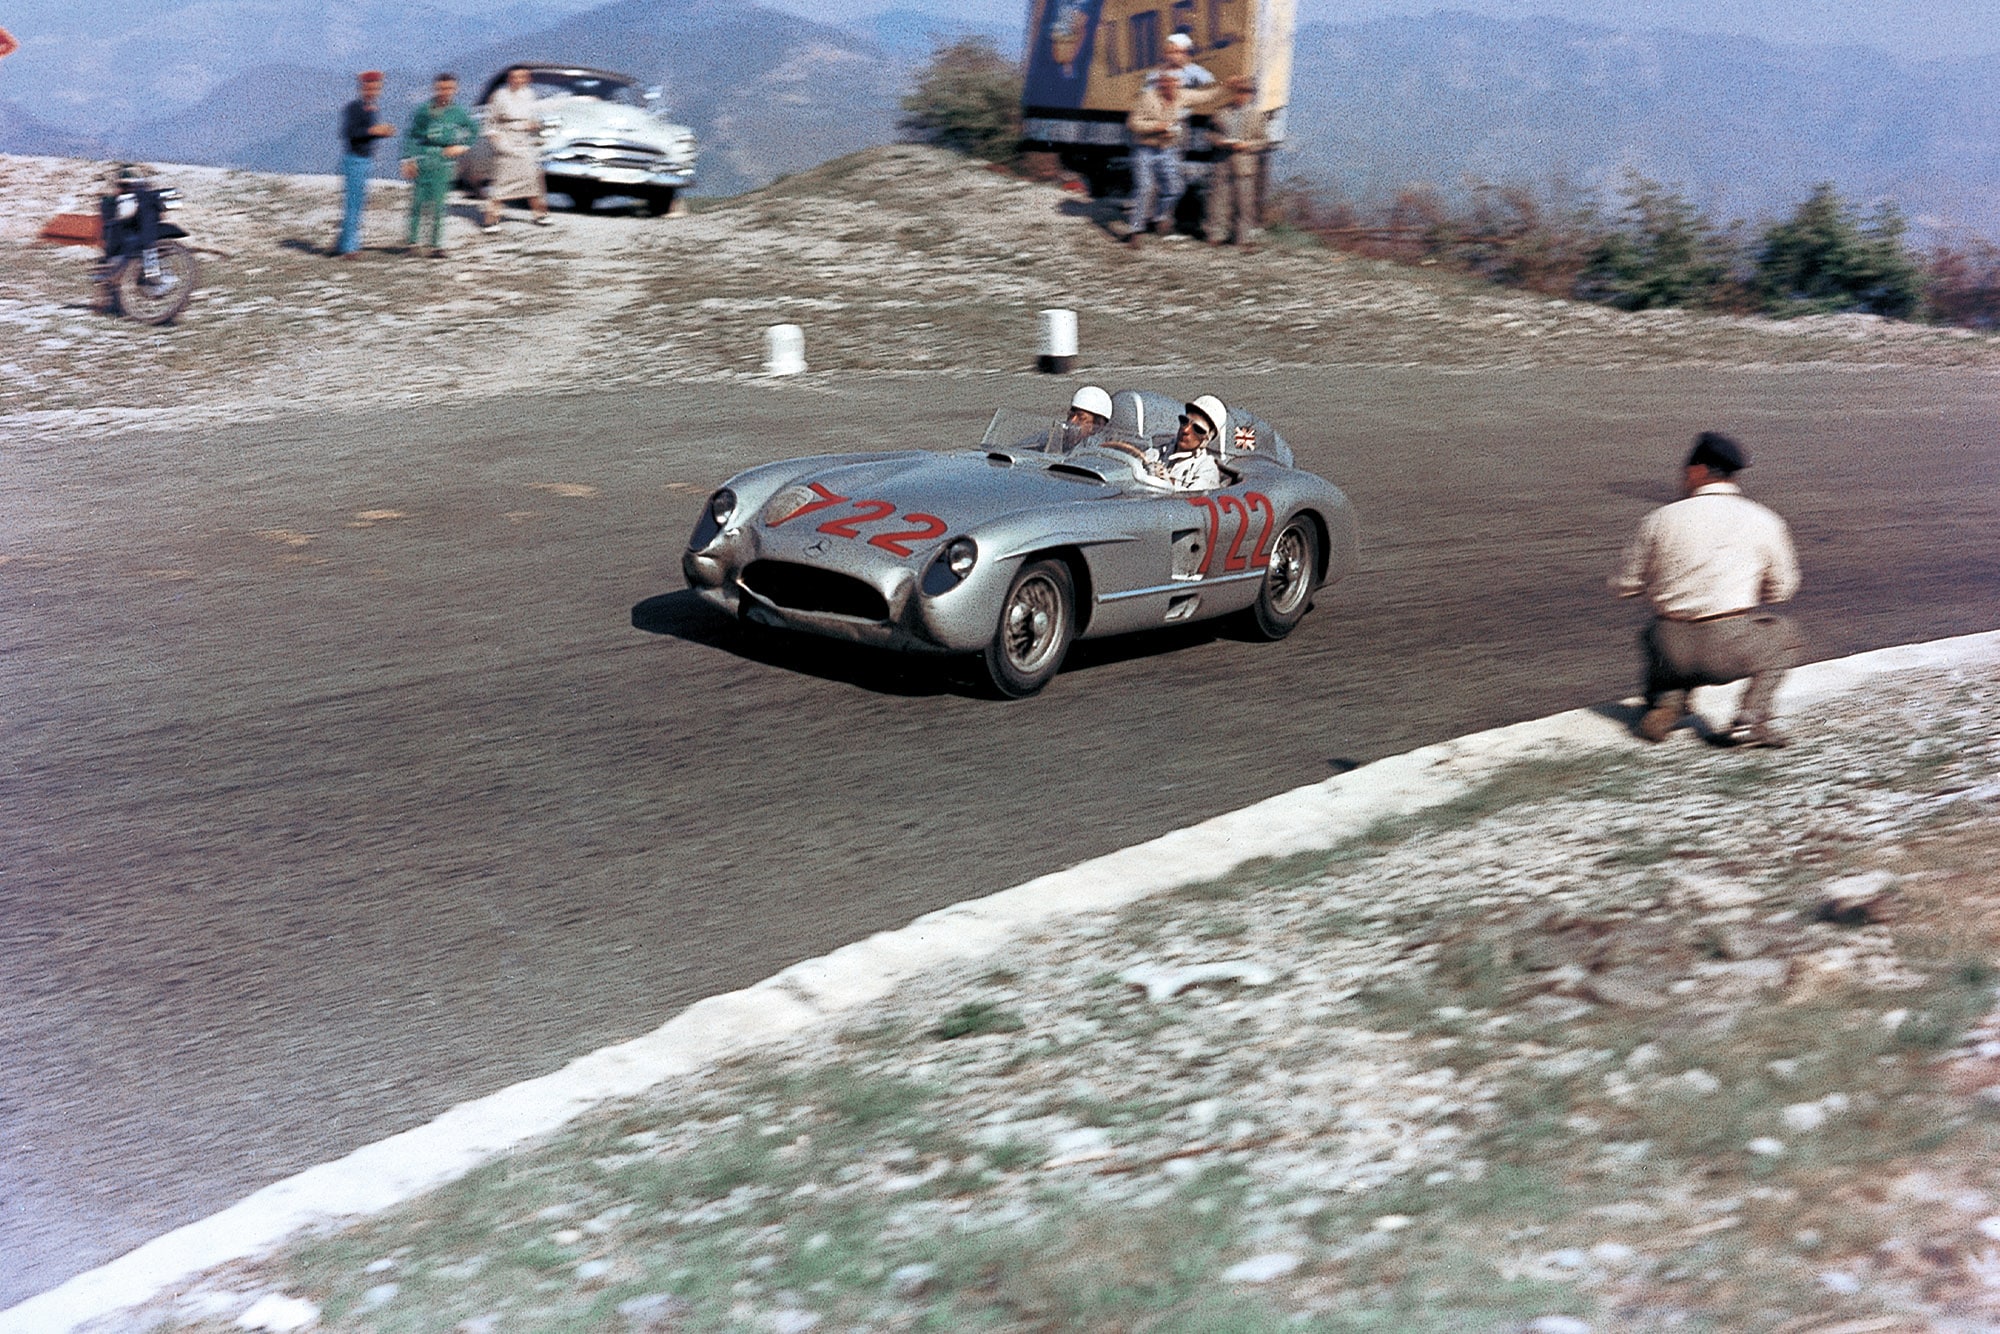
x=1076 y=472
x=999 y=460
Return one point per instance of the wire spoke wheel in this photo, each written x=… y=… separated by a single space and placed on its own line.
x=157 y=297
x=1037 y=620
x=1286 y=594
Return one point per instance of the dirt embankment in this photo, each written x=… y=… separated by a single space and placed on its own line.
x=898 y=259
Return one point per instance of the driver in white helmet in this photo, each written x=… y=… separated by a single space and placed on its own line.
x=1191 y=465
x=1089 y=412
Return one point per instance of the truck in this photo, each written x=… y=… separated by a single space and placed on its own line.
x=1088 y=59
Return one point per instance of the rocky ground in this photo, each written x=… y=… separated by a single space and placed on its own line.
x=1645 y=1039
x=895 y=259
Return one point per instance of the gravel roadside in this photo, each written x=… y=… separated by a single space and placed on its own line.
x=1668 y=1038
x=897 y=259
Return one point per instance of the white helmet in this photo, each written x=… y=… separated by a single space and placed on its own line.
x=1092 y=399
x=1209 y=406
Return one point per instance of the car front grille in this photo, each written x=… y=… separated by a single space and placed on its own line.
x=610 y=153
x=809 y=588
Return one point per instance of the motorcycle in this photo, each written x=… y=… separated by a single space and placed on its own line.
x=146 y=273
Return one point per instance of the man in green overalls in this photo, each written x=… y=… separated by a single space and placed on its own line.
x=440 y=131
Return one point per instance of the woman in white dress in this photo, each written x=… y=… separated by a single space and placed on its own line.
x=513 y=126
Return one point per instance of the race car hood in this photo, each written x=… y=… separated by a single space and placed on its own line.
x=959 y=491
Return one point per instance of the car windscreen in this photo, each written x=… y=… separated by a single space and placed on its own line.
x=560 y=83
x=1011 y=428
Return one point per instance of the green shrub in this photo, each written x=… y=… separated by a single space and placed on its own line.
x=1662 y=252
x=1825 y=259
x=967 y=99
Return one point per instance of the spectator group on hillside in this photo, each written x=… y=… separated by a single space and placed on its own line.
x=440 y=134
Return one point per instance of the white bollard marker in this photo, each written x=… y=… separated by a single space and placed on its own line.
x=784 y=350
x=1058 y=342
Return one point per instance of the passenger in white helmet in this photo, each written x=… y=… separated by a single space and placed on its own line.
x=1089 y=411
x=1191 y=465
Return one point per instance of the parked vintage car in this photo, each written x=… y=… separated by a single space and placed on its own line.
x=1017 y=548
x=603 y=136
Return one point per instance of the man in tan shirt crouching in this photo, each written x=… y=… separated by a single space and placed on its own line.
x=1709 y=563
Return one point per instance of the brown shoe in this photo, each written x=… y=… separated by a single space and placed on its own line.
x=1757 y=736
x=1660 y=720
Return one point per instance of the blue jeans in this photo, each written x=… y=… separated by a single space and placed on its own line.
x=1157 y=185
x=354 y=170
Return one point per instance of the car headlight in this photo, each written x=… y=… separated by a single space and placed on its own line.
x=714 y=515
x=951 y=567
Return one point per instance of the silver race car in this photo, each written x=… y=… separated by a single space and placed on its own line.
x=1035 y=539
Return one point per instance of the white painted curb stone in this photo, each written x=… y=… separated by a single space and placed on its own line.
x=1319 y=815
x=784 y=350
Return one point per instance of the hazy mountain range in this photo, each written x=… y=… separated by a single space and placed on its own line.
x=1744 y=126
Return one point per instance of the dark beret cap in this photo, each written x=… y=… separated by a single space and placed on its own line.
x=1714 y=450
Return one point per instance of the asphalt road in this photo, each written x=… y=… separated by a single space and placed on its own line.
x=313 y=824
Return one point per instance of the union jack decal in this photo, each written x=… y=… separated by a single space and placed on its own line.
x=1246 y=440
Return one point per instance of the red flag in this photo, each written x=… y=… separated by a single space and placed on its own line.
x=1246 y=439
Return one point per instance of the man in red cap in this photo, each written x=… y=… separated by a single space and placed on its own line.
x=1708 y=563
x=361 y=125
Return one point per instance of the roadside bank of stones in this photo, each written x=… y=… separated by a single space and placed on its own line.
x=1668 y=1038
x=899 y=259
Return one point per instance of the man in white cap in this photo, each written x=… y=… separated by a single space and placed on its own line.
x=1190 y=466
x=1708 y=564
x=1089 y=410
x=1179 y=57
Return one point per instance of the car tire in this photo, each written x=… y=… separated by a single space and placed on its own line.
x=1037 y=622
x=1285 y=596
x=581 y=197
x=660 y=202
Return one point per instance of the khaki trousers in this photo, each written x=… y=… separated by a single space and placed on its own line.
x=1680 y=655
x=1232 y=199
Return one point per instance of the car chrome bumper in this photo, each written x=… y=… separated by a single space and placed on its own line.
x=914 y=622
x=637 y=177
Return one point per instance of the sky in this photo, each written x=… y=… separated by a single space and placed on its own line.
x=1916 y=29
x=1919 y=29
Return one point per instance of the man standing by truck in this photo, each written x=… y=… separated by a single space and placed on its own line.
x=1179 y=57
x=1240 y=141
x=1158 y=127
